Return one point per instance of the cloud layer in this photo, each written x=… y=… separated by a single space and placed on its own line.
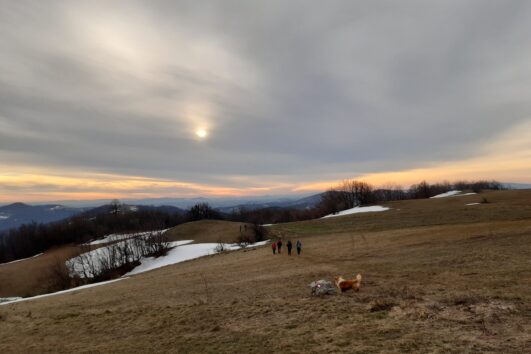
x=291 y=92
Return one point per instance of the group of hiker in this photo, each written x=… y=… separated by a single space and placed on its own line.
x=278 y=246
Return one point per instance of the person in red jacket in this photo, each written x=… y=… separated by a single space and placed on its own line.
x=274 y=247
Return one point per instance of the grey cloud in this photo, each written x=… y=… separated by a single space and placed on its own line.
x=293 y=88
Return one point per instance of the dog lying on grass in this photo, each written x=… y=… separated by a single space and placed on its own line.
x=347 y=284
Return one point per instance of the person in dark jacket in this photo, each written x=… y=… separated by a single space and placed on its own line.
x=289 y=245
x=299 y=247
x=279 y=245
x=274 y=247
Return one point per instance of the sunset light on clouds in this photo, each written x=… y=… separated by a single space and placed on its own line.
x=134 y=99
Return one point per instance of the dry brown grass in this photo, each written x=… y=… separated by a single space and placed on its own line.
x=207 y=231
x=430 y=287
x=32 y=276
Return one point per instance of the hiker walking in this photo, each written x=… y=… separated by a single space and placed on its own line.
x=289 y=245
x=274 y=247
x=299 y=247
x=279 y=245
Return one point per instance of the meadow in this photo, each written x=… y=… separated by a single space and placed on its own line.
x=438 y=277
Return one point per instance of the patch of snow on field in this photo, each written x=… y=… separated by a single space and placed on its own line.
x=473 y=204
x=120 y=237
x=60 y=292
x=4 y=217
x=451 y=194
x=356 y=210
x=23 y=259
x=9 y=299
x=87 y=264
x=447 y=194
x=184 y=253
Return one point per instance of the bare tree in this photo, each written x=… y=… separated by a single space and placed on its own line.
x=356 y=193
x=332 y=201
x=115 y=206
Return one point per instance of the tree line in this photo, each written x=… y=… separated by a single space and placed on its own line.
x=33 y=238
x=352 y=193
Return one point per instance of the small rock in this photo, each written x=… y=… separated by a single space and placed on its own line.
x=322 y=287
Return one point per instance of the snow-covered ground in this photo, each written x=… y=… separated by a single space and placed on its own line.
x=119 y=237
x=88 y=263
x=184 y=253
x=451 y=194
x=19 y=299
x=447 y=194
x=23 y=259
x=356 y=210
x=9 y=299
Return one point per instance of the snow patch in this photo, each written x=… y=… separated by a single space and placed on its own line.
x=23 y=259
x=9 y=299
x=61 y=292
x=120 y=237
x=473 y=204
x=451 y=194
x=356 y=210
x=447 y=194
x=184 y=253
x=57 y=207
x=3 y=217
x=88 y=264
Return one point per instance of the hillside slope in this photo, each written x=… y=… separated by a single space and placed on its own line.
x=207 y=231
x=434 y=285
x=16 y=214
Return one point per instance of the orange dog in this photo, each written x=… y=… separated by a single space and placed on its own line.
x=347 y=284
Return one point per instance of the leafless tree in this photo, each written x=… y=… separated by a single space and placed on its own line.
x=356 y=193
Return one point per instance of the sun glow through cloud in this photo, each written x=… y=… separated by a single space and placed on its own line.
x=201 y=133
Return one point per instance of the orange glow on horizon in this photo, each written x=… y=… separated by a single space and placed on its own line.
x=506 y=160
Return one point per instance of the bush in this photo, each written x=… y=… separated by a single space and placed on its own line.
x=260 y=233
x=202 y=211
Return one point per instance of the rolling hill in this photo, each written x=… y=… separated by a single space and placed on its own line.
x=16 y=214
x=439 y=275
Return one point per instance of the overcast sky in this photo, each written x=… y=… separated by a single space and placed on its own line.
x=105 y=98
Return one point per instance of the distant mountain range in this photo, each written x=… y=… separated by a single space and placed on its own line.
x=299 y=203
x=186 y=203
x=132 y=208
x=517 y=185
x=16 y=214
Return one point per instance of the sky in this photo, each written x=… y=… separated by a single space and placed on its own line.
x=144 y=99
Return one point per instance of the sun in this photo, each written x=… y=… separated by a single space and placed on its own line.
x=201 y=133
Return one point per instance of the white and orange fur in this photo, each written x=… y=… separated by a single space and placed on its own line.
x=347 y=284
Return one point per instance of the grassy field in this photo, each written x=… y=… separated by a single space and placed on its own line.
x=33 y=276
x=439 y=277
x=207 y=231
